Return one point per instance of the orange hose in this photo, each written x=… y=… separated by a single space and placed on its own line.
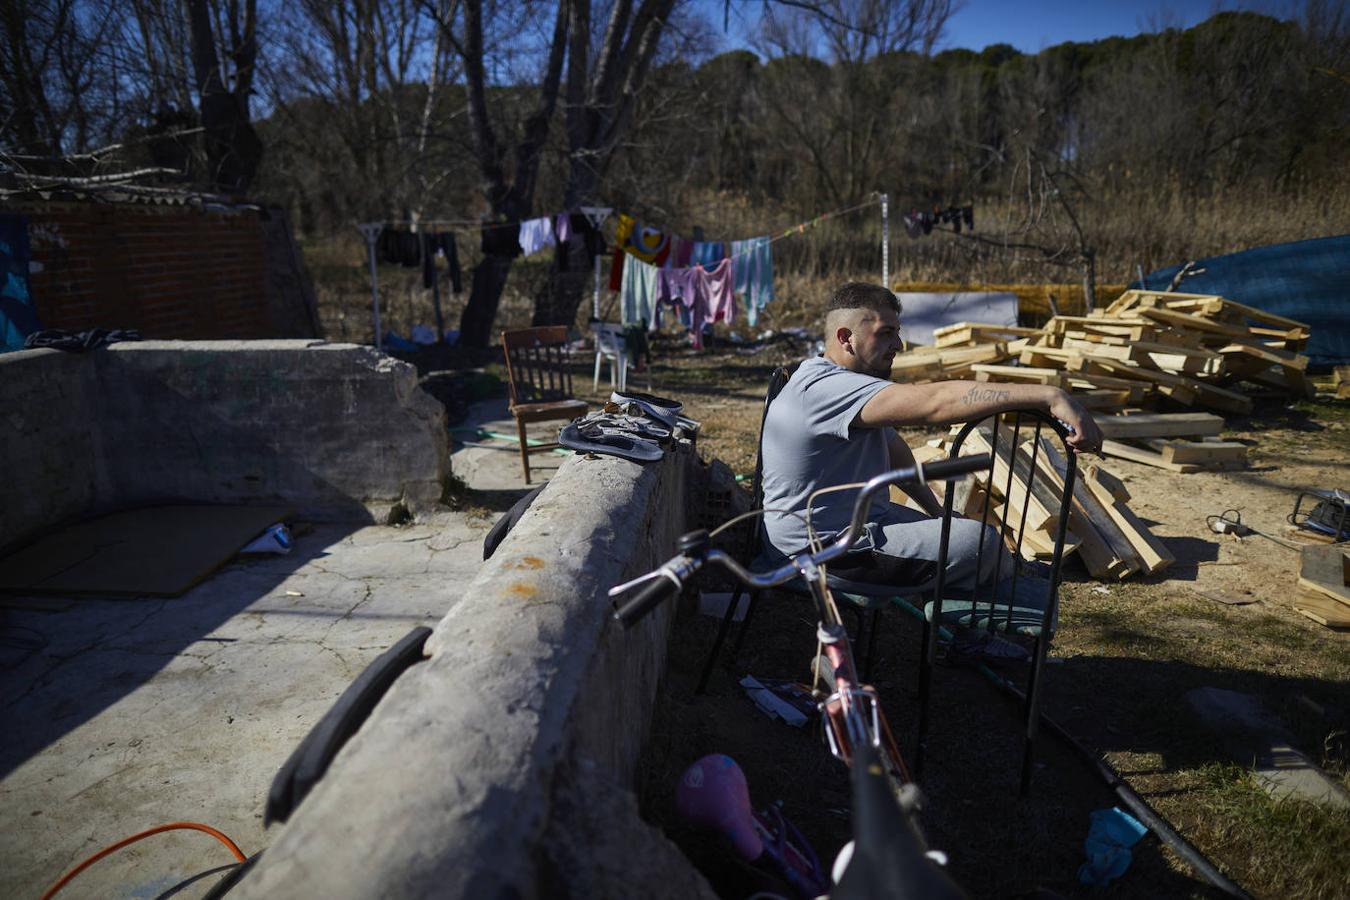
x=196 y=826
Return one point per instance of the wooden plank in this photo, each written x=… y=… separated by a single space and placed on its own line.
x=1267 y=354
x=1338 y=592
x=1023 y=374
x=1160 y=425
x=1014 y=491
x=1104 y=400
x=1150 y=550
x=1328 y=565
x=1114 y=485
x=1180 y=319
x=1104 y=550
x=1210 y=454
x=1323 y=611
x=1147 y=457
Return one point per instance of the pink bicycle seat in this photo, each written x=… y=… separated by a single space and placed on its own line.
x=712 y=794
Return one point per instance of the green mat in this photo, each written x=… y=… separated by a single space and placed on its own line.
x=156 y=551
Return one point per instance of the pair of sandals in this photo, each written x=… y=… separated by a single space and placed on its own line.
x=632 y=425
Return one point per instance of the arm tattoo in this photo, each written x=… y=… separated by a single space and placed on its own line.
x=985 y=395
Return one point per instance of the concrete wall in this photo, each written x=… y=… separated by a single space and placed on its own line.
x=334 y=430
x=171 y=271
x=498 y=767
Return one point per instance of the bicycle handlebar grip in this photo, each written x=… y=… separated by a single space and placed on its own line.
x=952 y=468
x=646 y=600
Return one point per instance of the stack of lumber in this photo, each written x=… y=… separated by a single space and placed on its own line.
x=1102 y=531
x=959 y=349
x=1193 y=349
x=1323 y=577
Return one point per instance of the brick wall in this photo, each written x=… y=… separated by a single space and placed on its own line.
x=169 y=271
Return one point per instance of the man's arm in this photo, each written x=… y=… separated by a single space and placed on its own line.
x=902 y=457
x=961 y=401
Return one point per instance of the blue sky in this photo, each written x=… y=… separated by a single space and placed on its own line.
x=1030 y=25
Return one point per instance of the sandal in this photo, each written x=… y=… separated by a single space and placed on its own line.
x=595 y=439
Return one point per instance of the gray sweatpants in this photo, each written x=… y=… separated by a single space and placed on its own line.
x=903 y=545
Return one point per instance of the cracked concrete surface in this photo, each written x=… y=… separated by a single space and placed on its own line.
x=134 y=712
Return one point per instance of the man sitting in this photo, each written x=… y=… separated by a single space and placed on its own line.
x=834 y=424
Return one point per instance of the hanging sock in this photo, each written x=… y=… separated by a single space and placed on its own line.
x=562 y=227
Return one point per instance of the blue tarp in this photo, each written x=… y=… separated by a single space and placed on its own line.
x=18 y=318
x=1308 y=281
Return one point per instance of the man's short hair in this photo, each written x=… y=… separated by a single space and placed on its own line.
x=863 y=295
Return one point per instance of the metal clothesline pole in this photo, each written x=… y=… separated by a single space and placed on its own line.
x=885 y=241
x=372 y=230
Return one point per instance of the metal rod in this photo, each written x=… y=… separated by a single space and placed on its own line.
x=886 y=241
x=372 y=231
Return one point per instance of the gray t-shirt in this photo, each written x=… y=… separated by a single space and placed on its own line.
x=810 y=442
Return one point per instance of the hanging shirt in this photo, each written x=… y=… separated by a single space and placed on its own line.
x=753 y=264
x=535 y=235
x=719 y=292
x=707 y=254
x=638 y=293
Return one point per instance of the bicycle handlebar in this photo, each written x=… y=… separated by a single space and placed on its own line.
x=671 y=576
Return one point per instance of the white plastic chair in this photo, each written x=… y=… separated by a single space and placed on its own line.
x=610 y=345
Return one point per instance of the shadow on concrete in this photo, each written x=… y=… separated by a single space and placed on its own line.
x=99 y=650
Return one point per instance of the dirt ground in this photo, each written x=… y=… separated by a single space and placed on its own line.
x=1125 y=655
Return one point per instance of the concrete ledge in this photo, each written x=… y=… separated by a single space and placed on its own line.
x=500 y=763
x=337 y=431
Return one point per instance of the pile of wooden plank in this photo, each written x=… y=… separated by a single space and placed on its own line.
x=1194 y=349
x=1110 y=540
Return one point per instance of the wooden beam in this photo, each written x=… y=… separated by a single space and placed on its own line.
x=1210 y=454
x=1150 y=550
x=1323 y=611
x=1147 y=457
x=1158 y=425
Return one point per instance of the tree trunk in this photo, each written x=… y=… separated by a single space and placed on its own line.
x=485 y=294
x=566 y=287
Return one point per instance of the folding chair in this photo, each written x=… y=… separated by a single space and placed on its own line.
x=539 y=380
x=610 y=345
x=1027 y=494
x=862 y=597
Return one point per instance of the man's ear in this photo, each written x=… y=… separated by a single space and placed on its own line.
x=842 y=335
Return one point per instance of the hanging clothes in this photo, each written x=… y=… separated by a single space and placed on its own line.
x=752 y=261
x=409 y=249
x=681 y=252
x=562 y=227
x=430 y=243
x=719 y=292
x=707 y=254
x=501 y=240
x=446 y=241
x=638 y=293
x=536 y=234
x=647 y=244
x=387 y=246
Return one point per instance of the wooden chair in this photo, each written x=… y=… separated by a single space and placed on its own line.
x=1026 y=493
x=539 y=378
